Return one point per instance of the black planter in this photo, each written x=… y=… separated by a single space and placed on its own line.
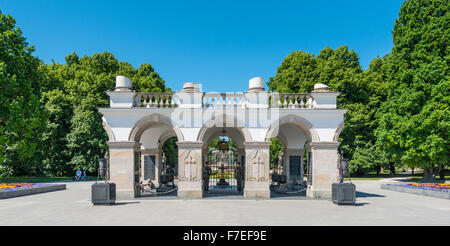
x=282 y=178
x=275 y=177
x=344 y=193
x=103 y=193
x=164 y=179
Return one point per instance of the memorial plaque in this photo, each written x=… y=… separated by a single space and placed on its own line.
x=294 y=166
x=149 y=167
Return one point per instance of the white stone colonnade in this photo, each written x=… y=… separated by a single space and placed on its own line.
x=138 y=124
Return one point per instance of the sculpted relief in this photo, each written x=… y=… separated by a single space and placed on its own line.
x=256 y=170
x=190 y=166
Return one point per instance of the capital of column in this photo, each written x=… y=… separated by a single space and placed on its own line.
x=190 y=145
x=125 y=145
x=261 y=144
x=295 y=151
x=150 y=151
x=324 y=145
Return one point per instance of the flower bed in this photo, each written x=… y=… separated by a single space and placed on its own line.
x=13 y=186
x=431 y=189
x=435 y=187
x=8 y=190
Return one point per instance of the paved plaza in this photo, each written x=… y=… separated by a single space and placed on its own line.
x=374 y=207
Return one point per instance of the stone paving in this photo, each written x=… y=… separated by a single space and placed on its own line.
x=374 y=206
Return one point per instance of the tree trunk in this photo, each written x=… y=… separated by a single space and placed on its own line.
x=412 y=171
x=378 y=170
x=392 y=168
x=428 y=174
x=442 y=172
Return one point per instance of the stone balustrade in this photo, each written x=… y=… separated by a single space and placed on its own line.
x=156 y=100
x=224 y=100
x=291 y=100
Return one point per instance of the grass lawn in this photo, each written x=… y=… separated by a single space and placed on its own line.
x=37 y=179
x=372 y=175
x=417 y=177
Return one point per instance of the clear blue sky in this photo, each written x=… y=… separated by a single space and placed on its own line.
x=221 y=44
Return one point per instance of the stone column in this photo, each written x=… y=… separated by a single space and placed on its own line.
x=190 y=170
x=122 y=168
x=257 y=170
x=157 y=155
x=290 y=177
x=324 y=165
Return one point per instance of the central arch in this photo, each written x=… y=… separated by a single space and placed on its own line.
x=232 y=173
x=222 y=121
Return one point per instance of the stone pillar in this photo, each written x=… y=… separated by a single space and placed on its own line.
x=123 y=96
x=158 y=169
x=299 y=176
x=257 y=170
x=122 y=168
x=190 y=170
x=324 y=165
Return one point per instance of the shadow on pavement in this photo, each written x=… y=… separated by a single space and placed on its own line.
x=364 y=194
x=359 y=204
x=123 y=203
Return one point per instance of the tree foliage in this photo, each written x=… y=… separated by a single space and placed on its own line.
x=414 y=120
x=49 y=122
x=54 y=140
x=80 y=86
x=22 y=117
x=398 y=109
x=275 y=148
x=361 y=91
x=170 y=148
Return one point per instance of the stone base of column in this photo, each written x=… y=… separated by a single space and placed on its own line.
x=125 y=194
x=318 y=194
x=190 y=194
x=253 y=193
x=324 y=166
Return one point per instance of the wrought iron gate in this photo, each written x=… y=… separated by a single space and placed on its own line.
x=222 y=172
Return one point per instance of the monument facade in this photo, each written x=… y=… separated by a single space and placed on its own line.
x=139 y=123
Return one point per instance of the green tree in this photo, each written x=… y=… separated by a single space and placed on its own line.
x=56 y=157
x=414 y=120
x=87 y=141
x=147 y=80
x=361 y=121
x=297 y=74
x=338 y=68
x=80 y=85
x=275 y=148
x=171 y=149
x=22 y=117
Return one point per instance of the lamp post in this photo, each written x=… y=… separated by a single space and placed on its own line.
x=103 y=193
x=343 y=193
x=102 y=168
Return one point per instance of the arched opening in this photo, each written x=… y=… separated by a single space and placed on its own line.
x=290 y=155
x=156 y=162
x=223 y=158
